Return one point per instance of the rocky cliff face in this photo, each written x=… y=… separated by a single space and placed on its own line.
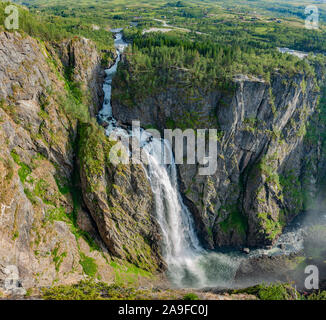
x=120 y=201
x=46 y=229
x=82 y=62
x=31 y=118
x=261 y=176
x=67 y=213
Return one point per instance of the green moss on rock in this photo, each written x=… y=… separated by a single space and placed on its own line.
x=235 y=221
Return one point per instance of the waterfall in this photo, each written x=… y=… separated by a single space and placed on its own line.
x=189 y=265
x=181 y=247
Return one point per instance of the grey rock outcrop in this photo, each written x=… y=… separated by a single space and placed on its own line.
x=38 y=233
x=120 y=201
x=81 y=59
x=258 y=186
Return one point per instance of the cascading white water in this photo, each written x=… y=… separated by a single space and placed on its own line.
x=105 y=113
x=188 y=263
x=181 y=247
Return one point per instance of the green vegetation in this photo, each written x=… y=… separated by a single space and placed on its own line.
x=60 y=214
x=58 y=258
x=293 y=191
x=63 y=186
x=235 y=221
x=93 y=148
x=73 y=103
x=321 y=295
x=89 y=290
x=280 y=291
x=24 y=170
x=286 y=188
x=190 y=296
x=266 y=165
x=126 y=273
x=30 y=196
x=263 y=23
x=89 y=265
x=157 y=61
x=56 y=28
x=213 y=42
x=277 y=292
x=270 y=226
x=316 y=134
x=56 y=214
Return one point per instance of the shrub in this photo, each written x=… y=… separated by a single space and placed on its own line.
x=321 y=295
x=190 y=296
x=88 y=290
x=278 y=291
x=88 y=264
